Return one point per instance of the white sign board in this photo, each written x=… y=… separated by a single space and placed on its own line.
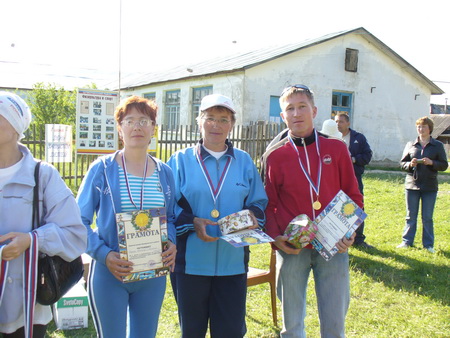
x=58 y=143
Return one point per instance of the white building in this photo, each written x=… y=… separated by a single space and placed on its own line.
x=349 y=71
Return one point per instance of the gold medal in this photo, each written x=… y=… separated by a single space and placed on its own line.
x=317 y=205
x=214 y=213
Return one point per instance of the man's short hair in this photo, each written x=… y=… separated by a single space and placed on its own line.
x=426 y=121
x=346 y=117
x=295 y=89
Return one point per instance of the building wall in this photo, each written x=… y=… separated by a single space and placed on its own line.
x=386 y=116
x=226 y=84
x=387 y=99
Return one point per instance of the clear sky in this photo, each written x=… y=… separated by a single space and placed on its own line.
x=156 y=35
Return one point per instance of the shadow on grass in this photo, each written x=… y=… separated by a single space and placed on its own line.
x=418 y=277
x=275 y=330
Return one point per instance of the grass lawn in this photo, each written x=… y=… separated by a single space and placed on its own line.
x=394 y=292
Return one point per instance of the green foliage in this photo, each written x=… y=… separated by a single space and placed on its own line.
x=52 y=105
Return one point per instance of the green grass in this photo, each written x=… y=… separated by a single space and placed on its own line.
x=394 y=292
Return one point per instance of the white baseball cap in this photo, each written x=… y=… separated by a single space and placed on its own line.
x=214 y=100
x=15 y=110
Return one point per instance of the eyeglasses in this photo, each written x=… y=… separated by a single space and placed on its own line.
x=211 y=120
x=297 y=86
x=141 y=123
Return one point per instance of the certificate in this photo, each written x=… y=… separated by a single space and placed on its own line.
x=340 y=218
x=142 y=238
x=247 y=237
x=235 y=230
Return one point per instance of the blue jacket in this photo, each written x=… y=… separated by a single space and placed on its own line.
x=360 y=151
x=100 y=194
x=242 y=189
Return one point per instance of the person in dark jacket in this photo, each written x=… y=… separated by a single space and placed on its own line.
x=422 y=159
x=361 y=155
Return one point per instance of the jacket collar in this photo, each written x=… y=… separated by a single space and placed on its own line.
x=308 y=140
x=109 y=160
x=25 y=175
x=204 y=153
x=432 y=141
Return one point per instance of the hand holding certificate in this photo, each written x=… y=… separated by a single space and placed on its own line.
x=340 y=218
x=142 y=239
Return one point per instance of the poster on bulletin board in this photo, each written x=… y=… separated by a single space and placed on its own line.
x=96 y=131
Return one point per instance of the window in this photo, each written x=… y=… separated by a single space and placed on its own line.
x=172 y=109
x=274 y=109
x=150 y=96
x=197 y=95
x=341 y=102
x=351 y=60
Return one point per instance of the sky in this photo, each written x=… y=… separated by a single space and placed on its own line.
x=127 y=36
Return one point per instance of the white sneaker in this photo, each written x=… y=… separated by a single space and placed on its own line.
x=430 y=249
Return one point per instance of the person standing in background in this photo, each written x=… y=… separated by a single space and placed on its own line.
x=361 y=155
x=422 y=159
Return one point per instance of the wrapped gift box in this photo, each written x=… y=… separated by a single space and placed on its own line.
x=301 y=231
x=238 y=221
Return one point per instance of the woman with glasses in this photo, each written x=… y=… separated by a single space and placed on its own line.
x=213 y=180
x=127 y=181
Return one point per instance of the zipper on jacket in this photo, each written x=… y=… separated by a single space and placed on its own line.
x=217 y=244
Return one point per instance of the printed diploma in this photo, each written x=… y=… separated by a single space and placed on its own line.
x=142 y=238
x=340 y=218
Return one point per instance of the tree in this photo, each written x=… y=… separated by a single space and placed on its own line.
x=52 y=105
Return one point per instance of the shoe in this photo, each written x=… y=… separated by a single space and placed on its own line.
x=430 y=249
x=364 y=245
x=403 y=245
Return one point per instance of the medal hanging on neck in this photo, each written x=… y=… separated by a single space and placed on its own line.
x=316 y=187
x=214 y=191
x=124 y=165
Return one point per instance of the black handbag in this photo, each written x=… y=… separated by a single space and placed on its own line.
x=55 y=275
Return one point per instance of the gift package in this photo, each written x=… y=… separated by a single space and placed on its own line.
x=301 y=231
x=234 y=222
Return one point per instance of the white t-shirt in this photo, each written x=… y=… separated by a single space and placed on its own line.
x=216 y=154
x=7 y=173
x=346 y=139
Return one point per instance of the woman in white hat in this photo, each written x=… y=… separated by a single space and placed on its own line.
x=213 y=180
x=61 y=232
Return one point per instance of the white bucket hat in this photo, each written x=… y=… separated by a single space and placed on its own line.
x=330 y=128
x=15 y=110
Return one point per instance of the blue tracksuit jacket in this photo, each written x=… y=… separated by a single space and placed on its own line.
x=242 y=189
x=100 y=194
